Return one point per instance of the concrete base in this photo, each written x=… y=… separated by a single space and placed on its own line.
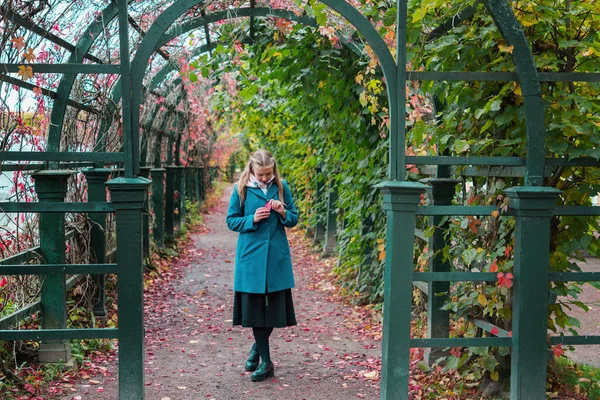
x=430 y=356
x=54 y=352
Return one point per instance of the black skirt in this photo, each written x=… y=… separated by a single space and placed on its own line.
x=271 y=310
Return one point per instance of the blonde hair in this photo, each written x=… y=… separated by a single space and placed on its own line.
x=260 y=158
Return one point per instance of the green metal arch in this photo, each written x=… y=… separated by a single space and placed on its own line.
x=512 y=31
x=156 y=32
x=65 y=86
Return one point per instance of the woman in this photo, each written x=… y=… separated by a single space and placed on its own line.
x=260 y=209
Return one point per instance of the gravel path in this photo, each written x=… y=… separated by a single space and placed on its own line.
x=193 y=352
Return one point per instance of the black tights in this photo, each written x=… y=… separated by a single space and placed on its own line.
x=261 y=337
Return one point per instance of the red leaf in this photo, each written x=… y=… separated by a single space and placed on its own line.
x=494 y=331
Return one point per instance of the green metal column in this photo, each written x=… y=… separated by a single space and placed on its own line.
x=158 y=207
x=145 y=173
x=533 y=207
x=202 y=182
x=319 y=227
x=438 y=320
x=197 y=183
x=51 y=187
x=170 y=202
x=401 y=200
x=129 y=197
x=331 y=229
x=177 y=199
x=96 y=179
x=182 y=194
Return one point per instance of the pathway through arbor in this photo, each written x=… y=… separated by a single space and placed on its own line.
x=193 y=352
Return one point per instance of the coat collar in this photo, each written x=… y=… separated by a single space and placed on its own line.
x=271 y=192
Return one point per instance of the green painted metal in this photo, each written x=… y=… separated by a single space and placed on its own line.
x=27 y=24
x=170 y=202
x=129 y=197
x=575 y=340
x=18 y=316
x=57 y=268
x=397 y=100
x=401 y=200
x=331 y=220
x=456 y=210
x=61 y=334
x=488 y=327
x=454 y=276
x=51 y=186
x=177 y=220
x=533 y=208
x=67 y=69
x=66 y=83
x=158 y=190
x=46 y=92
x=130 y=140
x=145 y=173
x=453 y=76
x=60 y=156
x=319 y=235
x=182 y=194
x=96 y=178
x=154 y=35
x=461 y=342
x=512 y=31
x=56 y=207
x=574 y=276
x=438 y=319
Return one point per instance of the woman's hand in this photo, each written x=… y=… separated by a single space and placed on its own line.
x=278 y=207
x=261 y=213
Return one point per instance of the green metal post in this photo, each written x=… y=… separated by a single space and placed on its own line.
x=319 y=227
x=231 y=171
x=331 y=228
x=145 y=173
x=170 y=202
x=182 y=194
x=438 y=320
x=202 y=178
x=197 y=184
x=189 y=183
x=51 y=187
x=158 y=196
x=129 y=197
x=533 y=207
x=96 y=179
x=401 y=200
x=177 y=199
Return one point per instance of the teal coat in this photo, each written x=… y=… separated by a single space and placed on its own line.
x=263 y=263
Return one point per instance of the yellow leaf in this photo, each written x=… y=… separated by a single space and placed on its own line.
x=482 y=299
x=495 y=376
x=495 y=213
x=518 y=91
x=382 y=256
x=506 y=49
x=381 y=247
x=359 y=78
x=25 y=72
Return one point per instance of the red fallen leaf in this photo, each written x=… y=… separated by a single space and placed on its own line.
x=3 y=282
x=494 y=331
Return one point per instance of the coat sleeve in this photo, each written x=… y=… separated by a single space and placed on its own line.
x=236 y=221
x=291 y=216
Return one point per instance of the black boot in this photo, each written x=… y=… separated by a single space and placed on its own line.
x=252 y=361
x=264 y=371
